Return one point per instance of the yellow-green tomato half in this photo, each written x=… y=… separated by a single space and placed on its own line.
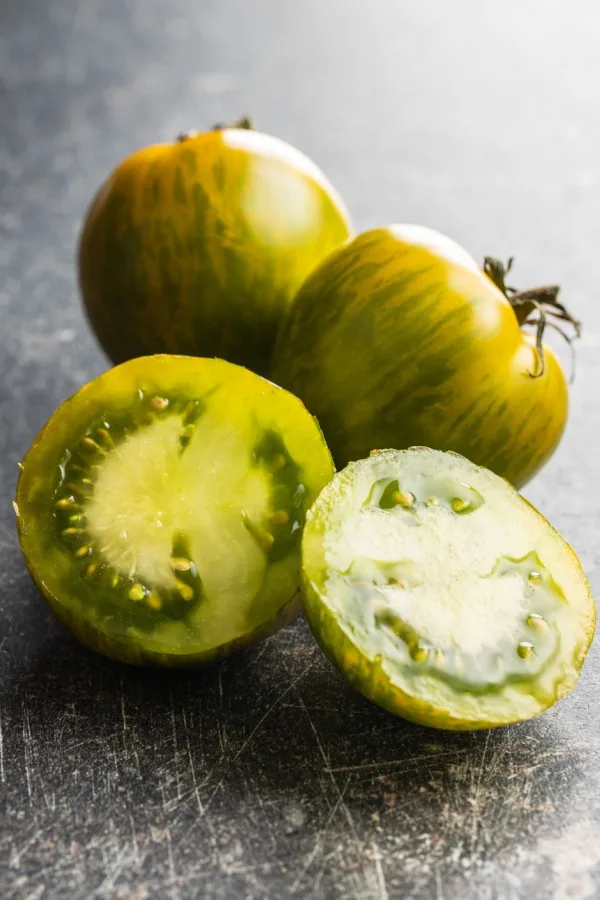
x=441 y=594
x=161 y=507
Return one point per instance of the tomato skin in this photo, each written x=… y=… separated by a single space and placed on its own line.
x=398 y=339
x=198 y=247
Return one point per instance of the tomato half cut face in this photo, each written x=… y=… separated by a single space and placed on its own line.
x=160 y=509
x=441 y=593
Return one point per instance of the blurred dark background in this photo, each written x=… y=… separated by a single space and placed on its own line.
x=266 y=777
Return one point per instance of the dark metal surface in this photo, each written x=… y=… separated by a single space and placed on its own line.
x=268 y=777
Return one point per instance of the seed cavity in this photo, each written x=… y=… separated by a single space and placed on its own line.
x=186 y=436
x=65 y=503
x=192 y=411
x=535 y=577
x=535 y=620
x=83 y=551
x=525 y=649
x=159 y=403
x=459 y=505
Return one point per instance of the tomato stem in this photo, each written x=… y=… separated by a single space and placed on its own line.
x=539 y=307
x=244 y=122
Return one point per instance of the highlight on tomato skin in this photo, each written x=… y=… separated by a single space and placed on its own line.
x=198 y=246
x=441 y=594
x=160 y=509
x=398 y=338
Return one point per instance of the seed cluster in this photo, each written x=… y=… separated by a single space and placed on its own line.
x=507 y=662
x=387 y=494
x=70 y=510
x=280 y=532
x=274 y=535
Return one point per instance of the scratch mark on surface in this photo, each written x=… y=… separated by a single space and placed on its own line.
x=409 y=763
x=212 y=796
x=476 y=795
x=175 y=745
x=27 y=741
x=175 y=891
x=331 y=774
x=261 y=653
x=220 y=681
x=253 y=732
x=318 y=843
x=114 y=869
x=192 y=765
x=16 y=855
x=221 y=730
x=270 y=710
x=2 y=772
x=134 y=843
x=382 y=887
x=123 y=716
x=439 y=893
x=49 y=799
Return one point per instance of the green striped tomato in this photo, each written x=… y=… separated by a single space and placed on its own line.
x=198 y=247
x=399 y=339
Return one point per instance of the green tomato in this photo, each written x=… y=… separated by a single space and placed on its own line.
x=198 y=246
x=399 y=339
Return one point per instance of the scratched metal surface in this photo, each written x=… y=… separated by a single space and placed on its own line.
x=267 y=777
